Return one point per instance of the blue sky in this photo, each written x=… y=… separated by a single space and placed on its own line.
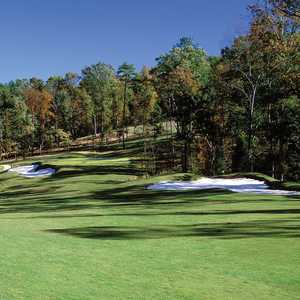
x=50 y=37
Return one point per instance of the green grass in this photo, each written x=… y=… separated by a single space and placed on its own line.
x=93 y=231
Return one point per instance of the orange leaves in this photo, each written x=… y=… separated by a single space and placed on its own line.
x=39 y=103
x=183 y=79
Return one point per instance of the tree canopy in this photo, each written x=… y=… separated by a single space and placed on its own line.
x=239 y=111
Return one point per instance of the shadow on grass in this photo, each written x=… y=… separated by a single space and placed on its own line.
x=178 y=213
x=50 y=195
x=71 y=171
x=37 y=199
x=288 y=228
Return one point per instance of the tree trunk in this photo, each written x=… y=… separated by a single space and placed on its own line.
x=102 y=126
x=95 y=126
x=16 y=154
x=250 y=130
x=281 y=160
x=250 y=154
x=56 y=128
x=271 y=141
x=124 y=114
x=145 y=145
x=185 y=157
x=32 y=136
x=171 y=132
x=95 y=130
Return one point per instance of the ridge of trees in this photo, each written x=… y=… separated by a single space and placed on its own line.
x=236 y=112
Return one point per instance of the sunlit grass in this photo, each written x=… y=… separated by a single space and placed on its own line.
x=93 y=231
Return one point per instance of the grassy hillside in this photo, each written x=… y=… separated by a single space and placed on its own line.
x=93 y=231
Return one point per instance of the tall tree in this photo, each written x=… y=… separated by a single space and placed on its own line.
x=182 y=75
x=126 y=73
x=98 y=80
x=39 y=102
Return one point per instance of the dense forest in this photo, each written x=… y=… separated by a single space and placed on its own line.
x=236 y=112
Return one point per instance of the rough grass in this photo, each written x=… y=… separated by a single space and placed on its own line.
x=93 y=231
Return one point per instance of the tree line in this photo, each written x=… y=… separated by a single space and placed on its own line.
x=239 y=111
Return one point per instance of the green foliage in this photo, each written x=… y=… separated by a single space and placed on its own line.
x=235 y=112
x=182 y=75
x=98 y=80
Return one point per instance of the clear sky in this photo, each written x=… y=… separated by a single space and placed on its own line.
x=50 y=37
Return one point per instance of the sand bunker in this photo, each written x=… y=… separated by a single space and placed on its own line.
x=32 y=171
x=4 y=168
x=238 y=185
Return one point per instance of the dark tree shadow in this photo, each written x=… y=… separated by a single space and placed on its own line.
x=288 y=228
x=90 y=170
x=41 y=199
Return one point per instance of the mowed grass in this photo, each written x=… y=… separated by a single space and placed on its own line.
x=93 y=231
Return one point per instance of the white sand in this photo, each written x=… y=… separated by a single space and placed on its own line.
x=4 y=168
x=238 y=185
x=31 y=171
